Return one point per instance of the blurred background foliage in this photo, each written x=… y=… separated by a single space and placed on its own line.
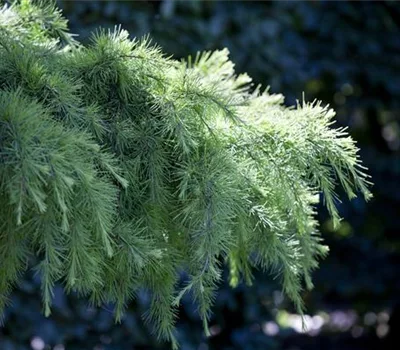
x=344 y=53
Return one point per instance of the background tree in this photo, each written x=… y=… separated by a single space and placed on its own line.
x=287 y=45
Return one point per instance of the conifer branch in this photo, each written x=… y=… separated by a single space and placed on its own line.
x=121 y=167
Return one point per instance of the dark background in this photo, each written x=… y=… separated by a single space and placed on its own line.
x=348 y=55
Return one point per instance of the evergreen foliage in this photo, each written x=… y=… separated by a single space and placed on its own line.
x=121 y=168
